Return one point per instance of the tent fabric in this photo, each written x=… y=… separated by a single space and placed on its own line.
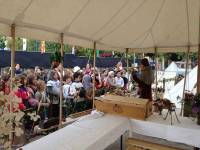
x=168 y=74
x=140 y=25
x=172 y=68
x=32 y=59
x=175 y=94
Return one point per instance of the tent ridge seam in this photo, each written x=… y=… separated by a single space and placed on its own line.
x=20 y=16
x=125 y=20
x=101 y=28
x=66 y=28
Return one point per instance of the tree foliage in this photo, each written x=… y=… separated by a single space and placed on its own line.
x=2 y=42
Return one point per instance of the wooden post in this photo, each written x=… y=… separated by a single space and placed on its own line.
x=127 y=62
x=198 y=72
x=185 y=79
x=13 y=53
x=94 y=66
x=12 y=77
x=61 y=80
x=163 y=62
x=156 y=72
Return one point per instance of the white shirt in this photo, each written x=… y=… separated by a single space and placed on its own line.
x=119 y=82
x=53 y=83
x=69 y=91
x=77 y=85
x=55 y=86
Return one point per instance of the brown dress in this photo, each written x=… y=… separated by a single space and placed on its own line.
x=144 y=83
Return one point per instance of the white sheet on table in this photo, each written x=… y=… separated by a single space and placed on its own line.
x=91 y=134
x=96 y=133
x=180 y=133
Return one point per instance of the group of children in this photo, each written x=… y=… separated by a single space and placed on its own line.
x=40 y=91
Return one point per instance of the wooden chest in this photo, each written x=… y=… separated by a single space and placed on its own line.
x=136 y=144
x=125 y=106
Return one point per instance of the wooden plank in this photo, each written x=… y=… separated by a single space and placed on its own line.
x=131 y=100
x=82 y=113
x=136 y=144
x=136 y=112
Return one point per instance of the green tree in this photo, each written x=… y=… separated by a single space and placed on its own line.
x=31 y=45
x=80 y=51
x=18 y=43
x=2 y=42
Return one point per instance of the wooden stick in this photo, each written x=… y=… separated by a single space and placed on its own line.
x=94 y=66
x=13 y=53
x=11 y=77
x=127 y=65
x=185 y=79
x=156 y=69
x=198 y=71
x=61 y=80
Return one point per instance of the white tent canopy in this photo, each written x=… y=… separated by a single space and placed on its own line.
x=172 y=68
x=169 y=75
x=177 y=91
x=140 y=25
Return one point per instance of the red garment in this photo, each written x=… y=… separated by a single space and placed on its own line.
x=22 y=94
x=7 y=91
x=6 y=88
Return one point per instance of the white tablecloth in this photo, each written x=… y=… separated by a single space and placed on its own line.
x=186 y=132
x=92 y=133
x=86 y=134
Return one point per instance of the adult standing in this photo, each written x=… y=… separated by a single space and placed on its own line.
x=145 y=79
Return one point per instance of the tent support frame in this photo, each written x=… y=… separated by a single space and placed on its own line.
x=156 y=71
x=127 y=63
x=198 y=71
x=185 y=79
x=12 y=77
x=94 y=66
x=61 y=81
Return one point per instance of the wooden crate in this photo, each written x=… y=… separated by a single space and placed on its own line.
x=136 y=144
x=125 y=106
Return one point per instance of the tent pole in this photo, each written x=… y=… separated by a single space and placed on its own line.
x=198 y=72
x=127 y=67
x=127 y=64
x=94 y=66
x=13 y=53
x=11 y=77
x=163 y=62
x=185 y=79
x=156 y=71
x=61 y=81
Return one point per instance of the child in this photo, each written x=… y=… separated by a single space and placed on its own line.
x=44 y=101
x=77 y=81
x=53 y=90
x=119 y=80
x=69 y=93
